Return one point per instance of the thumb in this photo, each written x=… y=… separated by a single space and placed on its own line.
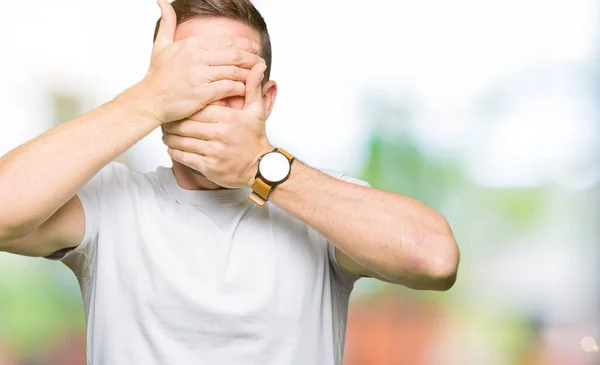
x=166 y=30
x=254 y=94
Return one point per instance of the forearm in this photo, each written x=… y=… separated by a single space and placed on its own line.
x=396 y=237
x=40 y=176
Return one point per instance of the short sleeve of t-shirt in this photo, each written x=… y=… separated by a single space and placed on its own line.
x=80 y=258
x=343 y=276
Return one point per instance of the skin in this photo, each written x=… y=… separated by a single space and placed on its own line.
x=204 y=87
x=41 y=216
x=376 y=233
x=227 y=28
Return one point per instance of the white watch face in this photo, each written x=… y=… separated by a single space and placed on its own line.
x=274 y=167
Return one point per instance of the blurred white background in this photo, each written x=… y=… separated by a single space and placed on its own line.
x=509 y=91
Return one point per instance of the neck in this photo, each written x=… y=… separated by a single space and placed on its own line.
x=189 y=180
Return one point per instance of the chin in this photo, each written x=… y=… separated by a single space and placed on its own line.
x=195 y=172
x=203 y=182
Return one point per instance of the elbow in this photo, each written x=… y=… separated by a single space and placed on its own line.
x=6 y=232
x=6 y=238
x=427 y=260
x=432 y=269
x=9 y=233
x=444 y=257
x=15 y=224
x=443 y=266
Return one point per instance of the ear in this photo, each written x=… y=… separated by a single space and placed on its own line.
x=269 y=96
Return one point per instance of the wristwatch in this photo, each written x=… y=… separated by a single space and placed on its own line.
x=273 y=169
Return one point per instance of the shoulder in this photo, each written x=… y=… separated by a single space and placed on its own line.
x=113 y=171
x=117 y=176
x=118 y=170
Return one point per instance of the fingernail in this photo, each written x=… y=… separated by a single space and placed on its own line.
x=255 y=47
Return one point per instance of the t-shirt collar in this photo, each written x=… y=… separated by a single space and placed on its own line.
x=198 y=197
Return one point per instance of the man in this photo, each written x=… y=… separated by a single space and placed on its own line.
x=238 y=254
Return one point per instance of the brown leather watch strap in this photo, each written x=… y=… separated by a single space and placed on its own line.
x=261 y=189
x=286 y=154
x=260 y=192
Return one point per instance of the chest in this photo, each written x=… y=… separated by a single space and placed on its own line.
x=237 y=261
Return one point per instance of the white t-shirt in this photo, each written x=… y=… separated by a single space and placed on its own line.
x=174 y=276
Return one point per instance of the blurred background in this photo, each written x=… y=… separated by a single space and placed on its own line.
x=488 y=111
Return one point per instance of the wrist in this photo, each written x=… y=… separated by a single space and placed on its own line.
x=138 y=100
x=254 y=165
x=274 y=169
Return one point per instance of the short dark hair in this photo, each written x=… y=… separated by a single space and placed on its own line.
x=241 y=10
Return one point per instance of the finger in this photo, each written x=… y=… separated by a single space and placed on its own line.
x=222 y=89
x=187 y=144
x=213 y=113
x=221 y=43
x=168 y=24
x=221 y=102
x=254 y=94
x=232 y=56
x=192 y=160
x=191 y=128
x=228 y=73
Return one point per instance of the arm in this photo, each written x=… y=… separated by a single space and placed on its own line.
x=41 y=176
x=39 y=212
x=376 y=233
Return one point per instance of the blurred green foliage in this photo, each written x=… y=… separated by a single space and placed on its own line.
x=481 y=217
x=38 y=302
